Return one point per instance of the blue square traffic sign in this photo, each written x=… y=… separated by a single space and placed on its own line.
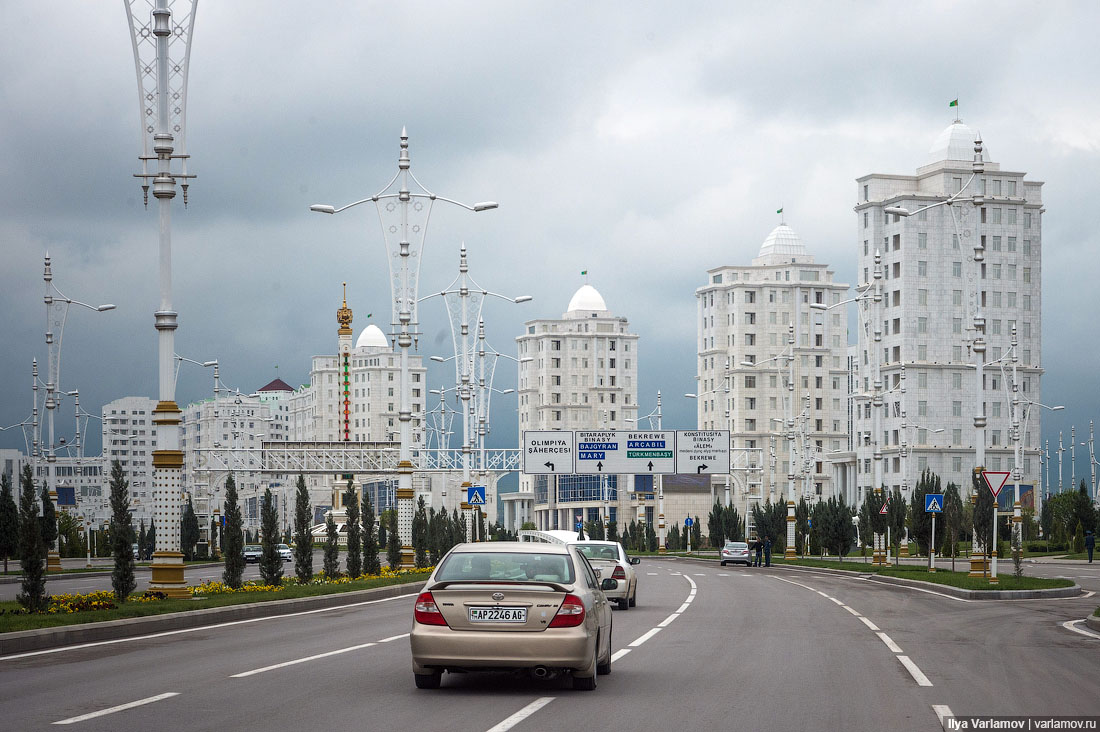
x=933 y=503
x=475 y=495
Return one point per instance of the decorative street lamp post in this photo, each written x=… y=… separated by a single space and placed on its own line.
x=162 y=51
x=404 y=214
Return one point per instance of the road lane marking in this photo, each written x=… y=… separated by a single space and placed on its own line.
x=619 y=654
x=215 y=626
x=894 y=647
x=942 y=711
x=644 y=637
x=917 y=674
x=853 y=612
x=869 y=624
x=522 y=714
x=394 y=637
x=722 y=574
x=682 y=608
x=838 y=602
x=668 y=620
x=746 y=574
x=700 y=574
x=119 y=708
x=1072 y=625
x=296 y=661
x=651 y=574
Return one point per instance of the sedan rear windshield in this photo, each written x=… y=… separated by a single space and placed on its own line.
x=599 y=551
x=506 y=567
x=736 y=545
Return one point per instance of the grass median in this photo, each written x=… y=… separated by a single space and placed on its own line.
x=11 y=620
x=962 y=580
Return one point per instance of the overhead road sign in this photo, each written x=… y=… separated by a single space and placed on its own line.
x=703 y=452
x=637 y=452
x=547 y=452
x=996 y=480
x=475 y=495
x=933 y=503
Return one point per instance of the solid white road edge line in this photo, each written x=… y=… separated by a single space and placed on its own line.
x=869 y=624
x=199 y=629
x=119 y=708
x=917 y=674
x=522 y=714
x=838 y=602
x=619 y=654
x=894 y=647
x=1072 y=625
x=942 y=711
x=296 y=661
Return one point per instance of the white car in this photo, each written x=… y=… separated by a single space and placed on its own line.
x=610 y=558
x=284 y=552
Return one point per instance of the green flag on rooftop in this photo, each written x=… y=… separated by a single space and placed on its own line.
x=954 y=103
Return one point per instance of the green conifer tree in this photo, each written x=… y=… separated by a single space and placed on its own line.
x=393 y=543
x=189 y=531
x=354 y=533
x=371 y=562
x=142 y=538
x=122 y=576
x=9 y=521
x=271 y=564
x=32 y=551
x=303 y=538
x=331 y=563
x=49 y=519
x=146 y=552
x=213 y=537
x=420 y=534
x=234 y=536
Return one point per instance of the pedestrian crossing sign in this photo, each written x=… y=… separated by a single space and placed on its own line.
x=475 y=495
x=933 y=503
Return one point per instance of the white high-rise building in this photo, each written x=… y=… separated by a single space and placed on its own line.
x=943 y=273
x=579 y=372
x=761 y=315
x=130 y=436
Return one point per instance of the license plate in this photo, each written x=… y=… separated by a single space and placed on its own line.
x=498 y=614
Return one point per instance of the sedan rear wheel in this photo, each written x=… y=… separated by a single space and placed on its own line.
x=603 y=668
x=428 y=681
x=588 y=683
x=634 y=597
x=622 y=603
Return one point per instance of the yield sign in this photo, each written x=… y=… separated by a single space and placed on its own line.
x=995 y=480
x=883 y=509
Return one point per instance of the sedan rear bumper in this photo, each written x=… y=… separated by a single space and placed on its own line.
x=440 y=647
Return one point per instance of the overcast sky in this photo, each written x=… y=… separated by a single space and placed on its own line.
x=642 y=142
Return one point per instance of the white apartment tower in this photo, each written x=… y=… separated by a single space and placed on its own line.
x=954 y=278
x=130 y=436
x=772 y=369
x=579 y=372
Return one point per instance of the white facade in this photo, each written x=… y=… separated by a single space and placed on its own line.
x=130 y=436
x=761 y=314
x=579 y=372
x=933 y=288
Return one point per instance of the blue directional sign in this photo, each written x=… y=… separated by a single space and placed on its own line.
x=933 y=503
x=578 y=526
x=475 y=495
x=689 y=521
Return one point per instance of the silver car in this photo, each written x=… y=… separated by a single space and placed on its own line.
x=736 y=552
x=284 y=552
x=512 y=606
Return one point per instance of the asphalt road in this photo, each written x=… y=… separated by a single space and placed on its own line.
x=749 y=649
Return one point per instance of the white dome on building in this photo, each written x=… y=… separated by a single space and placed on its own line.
x=587 y=298
x=956 y=142
x=372 y=337
x=783 y=241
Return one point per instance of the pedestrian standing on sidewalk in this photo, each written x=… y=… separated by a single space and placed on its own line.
x=758 y=545
x=767 y=551
x=1090 y=543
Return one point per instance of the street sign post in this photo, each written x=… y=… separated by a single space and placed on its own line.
x=933 y=504
x=996 y=480
x=547 y=452
x=703 y=452
x=615 y=452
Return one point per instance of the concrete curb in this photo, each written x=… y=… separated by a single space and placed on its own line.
x=14 y=578
x=1093 y=622
x=43 y=638
x=1051 y=594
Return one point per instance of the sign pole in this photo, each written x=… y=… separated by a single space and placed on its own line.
x=932 y=547
x=993 y=568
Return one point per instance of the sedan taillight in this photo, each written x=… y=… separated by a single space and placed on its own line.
x=619 y=573
x=426 y=612
x=570 y=614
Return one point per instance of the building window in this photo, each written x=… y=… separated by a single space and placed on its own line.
x=956 y=269
x=922 y=240
x=922 y=268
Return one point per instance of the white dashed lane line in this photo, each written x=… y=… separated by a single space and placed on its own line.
x=119 y=708
x=869 y=624
x=521 y=715
x=917 y=674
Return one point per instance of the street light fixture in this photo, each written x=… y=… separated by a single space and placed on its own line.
x=654 y=418
x=403 y=214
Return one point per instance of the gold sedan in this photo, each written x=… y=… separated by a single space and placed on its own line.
x=512 y=606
